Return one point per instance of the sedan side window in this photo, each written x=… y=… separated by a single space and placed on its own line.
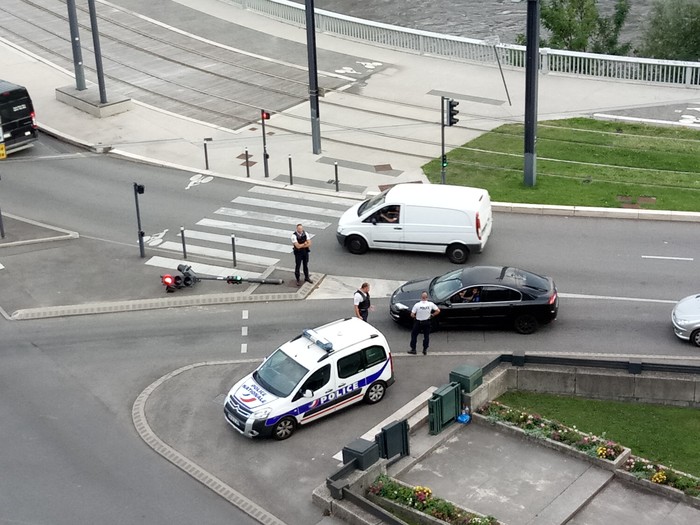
x=496 y=294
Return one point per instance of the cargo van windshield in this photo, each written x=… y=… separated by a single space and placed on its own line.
x=280 y=374
x=372 y=203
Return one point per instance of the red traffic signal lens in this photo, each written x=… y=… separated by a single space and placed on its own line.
x=168 y=280
x=265 y=115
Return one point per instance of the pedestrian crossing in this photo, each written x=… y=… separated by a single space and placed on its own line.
x=259 y=224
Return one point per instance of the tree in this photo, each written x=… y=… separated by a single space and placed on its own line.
x=576 y=25
x=672 y=31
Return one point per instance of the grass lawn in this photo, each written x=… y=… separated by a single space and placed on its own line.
x=583 y=162
x=663 y=434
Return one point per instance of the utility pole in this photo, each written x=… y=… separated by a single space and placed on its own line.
x=313 y=77
x=532 y=62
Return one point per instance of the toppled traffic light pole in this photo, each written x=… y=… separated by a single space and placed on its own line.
x=190 y=278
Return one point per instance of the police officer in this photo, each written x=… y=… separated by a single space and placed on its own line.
x=422 y=312
x=302 y=245
x=362 y=302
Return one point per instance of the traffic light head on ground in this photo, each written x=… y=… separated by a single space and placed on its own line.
x=171 y=282
x=234 y=279
x=189 y=278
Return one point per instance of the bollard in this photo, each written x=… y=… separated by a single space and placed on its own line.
x=336 y=176
x=206 y=153
x=291 y=180
x=247 y=166
x=2 y=227
x=182 y=236
x=233 y=249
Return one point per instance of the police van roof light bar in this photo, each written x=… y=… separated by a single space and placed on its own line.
x=319 y=341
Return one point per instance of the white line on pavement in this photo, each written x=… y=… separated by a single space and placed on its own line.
x=248 y=228
x=609 y=298
x=240 y=241
x=269 y=217
x=290 y=206
x=201 y=269
x=220 y=254
x=667 y=258
x=306 y=196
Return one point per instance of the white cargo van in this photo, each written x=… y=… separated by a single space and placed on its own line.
x=315 y=374
x=455 y=220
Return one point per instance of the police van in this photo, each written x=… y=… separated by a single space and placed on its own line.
x=317 y=373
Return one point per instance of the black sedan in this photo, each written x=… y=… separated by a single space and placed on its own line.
x=483 y=296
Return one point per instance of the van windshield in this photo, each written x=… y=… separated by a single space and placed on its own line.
x=372 y=203
x=280 y=374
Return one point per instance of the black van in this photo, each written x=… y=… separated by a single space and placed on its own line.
x=17 y=120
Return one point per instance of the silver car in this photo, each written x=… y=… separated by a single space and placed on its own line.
x=686 y=319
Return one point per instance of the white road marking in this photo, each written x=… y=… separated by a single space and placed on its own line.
x=244 y=331
x=1 y=267
x=610 y=298
x=244 y=314
x=201 y=269
x=269 y=217
x=289 y=206
x=306 y=196
x=244 y=348
x=667 y=258
x=240 y=241
x=247 y=228
x=220 y=254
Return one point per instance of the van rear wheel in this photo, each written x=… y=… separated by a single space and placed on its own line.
x=356 y=245
x=284 y=428
x=375 y=392
x=457 y=253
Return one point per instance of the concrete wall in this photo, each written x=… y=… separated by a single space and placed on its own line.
x=595 y=383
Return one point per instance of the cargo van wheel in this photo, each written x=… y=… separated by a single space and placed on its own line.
x=284 y=428
x=375 y=392
x=525 y=324
x=457 y=253
x=356 y=244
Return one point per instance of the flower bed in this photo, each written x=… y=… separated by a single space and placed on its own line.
x=605 y=452
x=677 y=485
x=420 y=501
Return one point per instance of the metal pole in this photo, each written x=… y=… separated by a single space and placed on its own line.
x=2 y=227
x=184 y=247
x=247 y=165
x=98 y=52
x=142 y=250
x=313 y=77
x=206 y=154
x=265 y=155
x=291 y=180
x=233 y=249
x=532 y=55
x=336 y=176
x=75 y=43
x=503 y=77
x=443 y=116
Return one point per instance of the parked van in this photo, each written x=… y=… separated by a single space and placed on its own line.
x=315 y=374
x=455 y=220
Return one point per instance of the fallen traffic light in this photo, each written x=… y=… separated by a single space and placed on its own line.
x=189 y=278
x=234 y=279
x=170 y=282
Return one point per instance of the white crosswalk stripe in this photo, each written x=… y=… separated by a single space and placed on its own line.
x=262 y=227
x=291 y=206
x=240 y=241
x=269 y=217
x=278 y=192
x=221 y=254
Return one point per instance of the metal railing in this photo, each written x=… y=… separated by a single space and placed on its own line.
x=622 y=68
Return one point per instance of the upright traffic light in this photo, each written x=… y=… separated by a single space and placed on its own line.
x=452 y=112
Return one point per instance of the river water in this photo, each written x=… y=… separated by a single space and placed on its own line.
x=468 y=18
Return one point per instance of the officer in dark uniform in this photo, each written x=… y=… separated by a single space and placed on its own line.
x=302 y=245
x=362 y=302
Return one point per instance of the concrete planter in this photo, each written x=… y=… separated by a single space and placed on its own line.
x=657 y=488
x=556 y=445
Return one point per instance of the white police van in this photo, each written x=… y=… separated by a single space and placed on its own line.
x=315 y=374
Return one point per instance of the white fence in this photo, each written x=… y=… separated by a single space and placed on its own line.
x=467 y=49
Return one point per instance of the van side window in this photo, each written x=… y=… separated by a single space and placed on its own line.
x=374 y=355
x=350 y=365
x=318 y=379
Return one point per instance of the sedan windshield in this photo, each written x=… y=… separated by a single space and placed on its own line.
x=280 y=374
x=446 y=285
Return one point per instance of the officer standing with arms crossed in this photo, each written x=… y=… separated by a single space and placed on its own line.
x=422 y=312
x=362 y=302
x=302 y=245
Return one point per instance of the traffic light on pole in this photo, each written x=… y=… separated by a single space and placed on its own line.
x=452 y=112
x=444 y=161
x=264 y=115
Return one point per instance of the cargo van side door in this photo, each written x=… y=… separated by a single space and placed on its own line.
x=385 y=228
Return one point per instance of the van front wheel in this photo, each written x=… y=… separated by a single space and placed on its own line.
x=356 y=245
x=457 y=253
x=284 y=428
x=375 y=392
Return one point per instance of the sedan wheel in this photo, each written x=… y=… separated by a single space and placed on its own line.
x=695 y=338
x=526 y=324
x=375 y=393
x=284 y=428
